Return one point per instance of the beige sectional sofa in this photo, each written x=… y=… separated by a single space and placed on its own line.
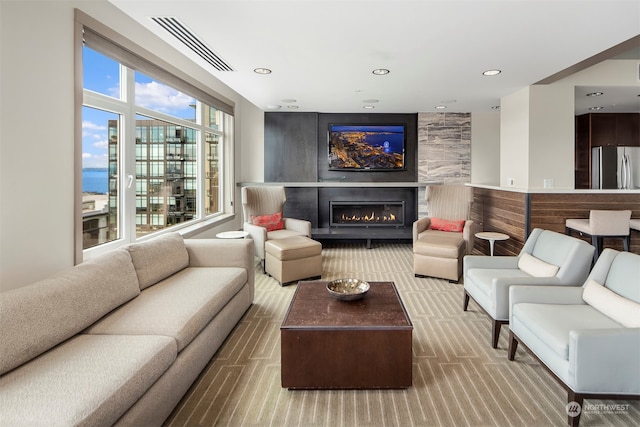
x=119 y=339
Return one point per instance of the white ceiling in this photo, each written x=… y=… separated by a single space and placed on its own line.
x=322 y=53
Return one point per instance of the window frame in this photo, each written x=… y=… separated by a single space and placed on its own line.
x=128 y=112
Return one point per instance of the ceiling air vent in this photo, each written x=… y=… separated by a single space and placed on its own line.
x=182 y=33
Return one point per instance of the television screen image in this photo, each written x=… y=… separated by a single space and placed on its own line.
x=366 y=147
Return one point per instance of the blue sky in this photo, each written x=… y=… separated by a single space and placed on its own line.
x=102 y=75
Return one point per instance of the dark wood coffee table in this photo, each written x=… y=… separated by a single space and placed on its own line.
x=332 y=344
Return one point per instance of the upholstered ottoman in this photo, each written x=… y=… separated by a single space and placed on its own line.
x=439 y=254
x=293 y=258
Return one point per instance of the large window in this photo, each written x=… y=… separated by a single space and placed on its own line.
x=151 y=149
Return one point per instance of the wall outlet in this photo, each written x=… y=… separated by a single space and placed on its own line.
x=511 y=182
x=548 y=183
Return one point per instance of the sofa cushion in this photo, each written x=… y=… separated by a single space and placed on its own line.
x=551 y=323
x=440 y=244
x=271 y=222
x=89 y=380
x=554 y=248
x=158 y=258
x=536 y=267
x=609 y=303
x=37 y=317
x=179 y=306
x=447 y=225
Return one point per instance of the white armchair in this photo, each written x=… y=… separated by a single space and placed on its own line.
x=259 y=203
x=547 y=258
x=588 y=337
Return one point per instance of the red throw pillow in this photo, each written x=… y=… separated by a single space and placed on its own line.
x=270 y=222
x=447 y=225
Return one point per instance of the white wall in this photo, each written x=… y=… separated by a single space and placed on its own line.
x=485 y=148
x=251 y=152
x=37 y=129
x=551 y=136
x=537 y=138
x=514 y=139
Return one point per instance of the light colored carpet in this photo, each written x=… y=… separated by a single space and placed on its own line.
x=458 y=379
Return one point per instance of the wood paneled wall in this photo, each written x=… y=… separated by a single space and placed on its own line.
x=550 y=211
x=501 y=211
x=516 y=214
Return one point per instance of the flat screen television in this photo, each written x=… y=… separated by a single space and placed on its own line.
x=367 y=147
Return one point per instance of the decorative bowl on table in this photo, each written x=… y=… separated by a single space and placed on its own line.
x=347 y=289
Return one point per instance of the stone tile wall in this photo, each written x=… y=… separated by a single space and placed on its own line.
x=444 y=150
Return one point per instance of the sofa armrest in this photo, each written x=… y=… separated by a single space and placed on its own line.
x=570 y=295
x=605 y=360
x=259 y=236
x=419 y=226
x=220 y=252
x=468 y=235
x=299 y=225
x=544 y=294
x=483 y=261
x=502 y=285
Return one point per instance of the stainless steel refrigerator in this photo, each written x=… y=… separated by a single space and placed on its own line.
x=615 y=167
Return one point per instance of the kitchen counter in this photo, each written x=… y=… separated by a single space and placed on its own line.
x=555 y=190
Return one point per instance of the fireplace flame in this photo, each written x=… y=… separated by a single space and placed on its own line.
x=369 y=218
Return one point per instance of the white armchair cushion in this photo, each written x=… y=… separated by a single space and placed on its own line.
x=622 y=310
x=536 y=267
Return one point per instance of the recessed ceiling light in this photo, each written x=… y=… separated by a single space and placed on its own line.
x=595 y=93
x=440 y=107
x=288 y=100
x=380 y=71
x=495 y=107
x=370 y=101
x=492 y=72
x=368 y=107
x=262 y=70
x=595 y=108
x=274 y=107
x=292 y=107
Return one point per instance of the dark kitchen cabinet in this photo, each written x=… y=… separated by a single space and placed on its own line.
x=611 y=128
x=600 y=129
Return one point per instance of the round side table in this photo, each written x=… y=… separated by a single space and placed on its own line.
x=491 y=236
x=232 y=234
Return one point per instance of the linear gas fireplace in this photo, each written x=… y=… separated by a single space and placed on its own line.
x=367 y=214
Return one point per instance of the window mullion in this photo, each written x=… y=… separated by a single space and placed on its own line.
x=128 y=152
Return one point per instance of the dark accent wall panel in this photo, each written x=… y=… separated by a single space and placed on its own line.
x=302 y=203
x=290 y=147
x=411 y=149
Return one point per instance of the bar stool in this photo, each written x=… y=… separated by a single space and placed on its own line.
x=601 y=224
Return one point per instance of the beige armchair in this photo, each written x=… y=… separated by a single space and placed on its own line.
x=441 y=240
x=259 y=206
